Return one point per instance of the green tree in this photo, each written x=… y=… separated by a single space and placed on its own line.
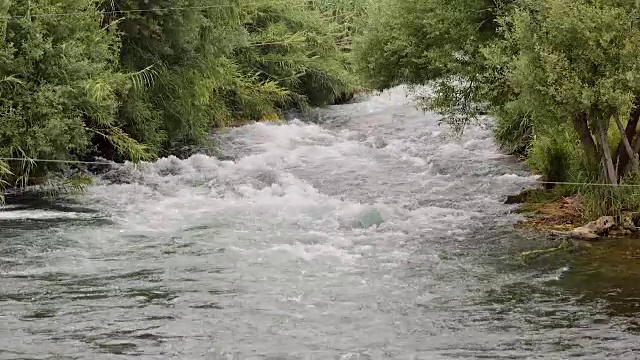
x=534 y=65
x=182 y=47
x=213 y=65
x=432 y=42
x=131 y=80
x=576 y=62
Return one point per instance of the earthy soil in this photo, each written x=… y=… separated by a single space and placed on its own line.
x=563 y=214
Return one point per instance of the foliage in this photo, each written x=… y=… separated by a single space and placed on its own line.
x=552 y=156
x=131 y=80
x=514 y=132
x=295 y=47
x=437 y=43
x=350 y=16
x=58 y=88
x=577 y=61
x=553 y=73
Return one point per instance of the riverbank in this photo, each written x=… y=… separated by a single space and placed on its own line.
x=128 y=96
x=558 y=212
x=39 y=180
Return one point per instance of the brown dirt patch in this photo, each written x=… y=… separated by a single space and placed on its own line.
x=561 y=215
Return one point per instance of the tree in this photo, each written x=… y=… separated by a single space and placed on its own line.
x=132 y=80
x=182 y=45
x=433 y=42
x=578 y=61
x=217 y=64
x=294 y=46
x=534 y=65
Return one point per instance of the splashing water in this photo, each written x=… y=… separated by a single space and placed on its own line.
x=370 y=235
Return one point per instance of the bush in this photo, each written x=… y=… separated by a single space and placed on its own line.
x=513 y=133
x=58 y=87
x=130 y=85
x=554 y=156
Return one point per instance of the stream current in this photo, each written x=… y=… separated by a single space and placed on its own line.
x=369 y=234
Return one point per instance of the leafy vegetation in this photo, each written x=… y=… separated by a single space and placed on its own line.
x=133 y=80
x=560 y=77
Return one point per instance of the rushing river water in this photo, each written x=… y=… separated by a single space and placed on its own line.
x=366 y=235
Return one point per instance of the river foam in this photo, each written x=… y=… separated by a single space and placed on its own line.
x=367 y=234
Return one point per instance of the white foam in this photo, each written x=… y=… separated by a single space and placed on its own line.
x=11 y=207
x=42 y=215
x=299 y=179
x=315 y=251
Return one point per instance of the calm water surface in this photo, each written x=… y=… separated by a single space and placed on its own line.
x=367 y=235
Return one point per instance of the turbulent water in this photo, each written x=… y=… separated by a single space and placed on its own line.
x=369 y=234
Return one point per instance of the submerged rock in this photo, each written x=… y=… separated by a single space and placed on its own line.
x=368 y=219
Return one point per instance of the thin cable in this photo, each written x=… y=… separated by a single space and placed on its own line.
x=112 y=163
x=143 y=10
x=586 y=184
x=58 y=161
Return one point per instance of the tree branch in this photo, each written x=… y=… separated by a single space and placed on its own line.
x=582 y=128
x=624 y=140
x=622 y=158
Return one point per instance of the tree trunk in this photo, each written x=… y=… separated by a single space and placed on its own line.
x=624 y=141
x=582 y=128
x=622 y=158
x=603 y=141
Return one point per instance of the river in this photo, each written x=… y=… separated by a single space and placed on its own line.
x=368 y=234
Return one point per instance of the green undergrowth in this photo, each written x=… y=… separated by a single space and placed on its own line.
x=557 y=156
x=595 y=198
x=102 y=79
x=554 y=74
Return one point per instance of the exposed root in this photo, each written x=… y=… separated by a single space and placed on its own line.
x=565 y=245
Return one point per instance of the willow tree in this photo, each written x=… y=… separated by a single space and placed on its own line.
x=578 y=60
x=534 y=65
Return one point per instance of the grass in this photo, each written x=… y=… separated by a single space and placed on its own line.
x=557 y=156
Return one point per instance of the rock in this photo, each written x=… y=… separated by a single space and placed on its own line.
x=620 y=232
x=368 y=219
x=519 y=198
x=514 y=199
x=594 y=229
x=583 y=233
x=604 y=224
x=628 y=223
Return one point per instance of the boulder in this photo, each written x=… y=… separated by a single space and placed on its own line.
x=583 y=232
x=514 y=199
x=594 y=229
